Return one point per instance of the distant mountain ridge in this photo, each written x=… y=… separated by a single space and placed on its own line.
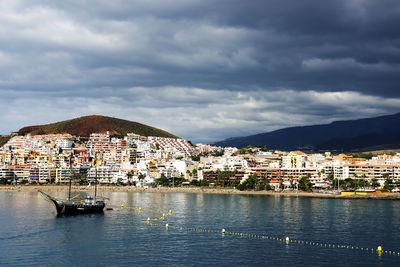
x=379 y=132
x=84 y=126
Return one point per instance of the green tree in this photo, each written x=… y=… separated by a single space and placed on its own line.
x=179 y=180
x=204 y=182
x=79 y=178
x=162 y=180
x=218 y=153
x=305 y=184
x=362 y=183
x=234 y=183
x=348 y=183
x=260 y=185
x=242 y=151
x=195 y=182
x=267 y=184
x=362 y=155
x=249 y=183
x=252 y=181
x=83 y=180
x=141 y=176
x=280 y=181
x=374 y=183
x=241 y=187
x=330 y=177
x=196 y=158
x=388 y=184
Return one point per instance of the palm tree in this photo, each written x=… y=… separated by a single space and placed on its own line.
x=129 y=174
x=141 y=177
x=291 y=180
x=280 y=180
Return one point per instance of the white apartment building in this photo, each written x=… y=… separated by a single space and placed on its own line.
x=294 y=159
x=370 y=171
x=64 y=143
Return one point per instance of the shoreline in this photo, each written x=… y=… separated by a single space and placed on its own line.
x=193 y=190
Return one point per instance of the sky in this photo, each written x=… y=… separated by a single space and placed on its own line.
x=203 y=70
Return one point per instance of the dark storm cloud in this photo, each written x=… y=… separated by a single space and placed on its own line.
x=317 y=59
x=319 y=45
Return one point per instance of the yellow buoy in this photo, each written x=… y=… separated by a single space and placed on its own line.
x=379 y=249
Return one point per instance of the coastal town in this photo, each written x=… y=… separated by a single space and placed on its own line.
x=147 y=162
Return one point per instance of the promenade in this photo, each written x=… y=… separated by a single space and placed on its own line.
x=194 y=190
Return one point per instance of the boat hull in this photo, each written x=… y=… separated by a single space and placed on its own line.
x=66 y=209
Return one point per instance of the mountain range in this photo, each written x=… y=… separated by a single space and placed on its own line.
x=351 y=135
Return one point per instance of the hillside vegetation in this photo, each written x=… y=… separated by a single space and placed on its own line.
x=4 y=139
x=86 y=125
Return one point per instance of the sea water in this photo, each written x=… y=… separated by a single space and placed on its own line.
x=32 y=234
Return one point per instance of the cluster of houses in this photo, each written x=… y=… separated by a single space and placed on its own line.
x=140 y=160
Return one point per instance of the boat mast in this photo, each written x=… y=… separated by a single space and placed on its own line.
x=70 y=178
x=95 y=186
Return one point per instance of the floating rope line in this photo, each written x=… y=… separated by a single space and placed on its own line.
x=164 y=214
x=286 y=240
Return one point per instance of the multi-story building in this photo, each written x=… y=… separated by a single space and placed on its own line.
x=294 y=160
x=372 y=171
x=15 y=173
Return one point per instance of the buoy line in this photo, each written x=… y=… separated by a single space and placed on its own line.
x=286 y=240
x=164 y=214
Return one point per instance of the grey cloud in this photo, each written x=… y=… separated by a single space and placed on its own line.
x=228 y=67
x=208 y=116
x=233 y=44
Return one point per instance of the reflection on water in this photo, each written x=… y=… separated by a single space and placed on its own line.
x=31 y=234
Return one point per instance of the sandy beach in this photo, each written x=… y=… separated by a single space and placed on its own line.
x=194 y=190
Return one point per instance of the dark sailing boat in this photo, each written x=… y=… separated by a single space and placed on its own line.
x=89 y=205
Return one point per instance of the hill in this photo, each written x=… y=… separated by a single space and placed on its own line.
x=4 y=139
x=353 y=135
x=86 y=125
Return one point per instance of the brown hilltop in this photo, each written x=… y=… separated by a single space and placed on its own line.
x=86 y=125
